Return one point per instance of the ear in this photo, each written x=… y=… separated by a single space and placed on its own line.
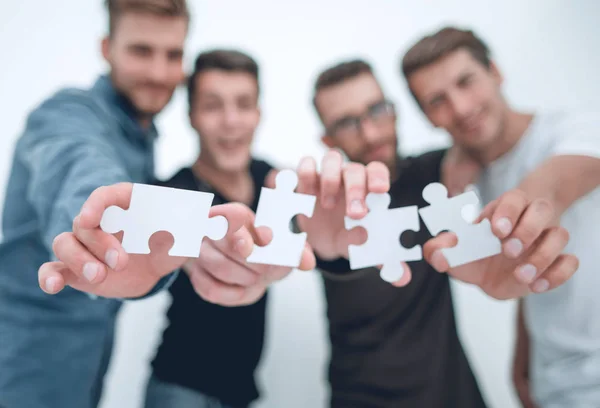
x=105 y=45
x=328 y=141
x=495 y=71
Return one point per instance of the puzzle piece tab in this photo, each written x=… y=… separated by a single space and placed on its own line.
x=276 y=208
x=475 y=241
x=384 y=227
x=183 y=213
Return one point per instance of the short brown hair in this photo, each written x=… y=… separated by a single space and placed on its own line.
x=171 y=8
x=222 y=60
x=339 y=73
x=432 y=47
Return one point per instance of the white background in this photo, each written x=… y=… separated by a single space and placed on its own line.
x=548 y=50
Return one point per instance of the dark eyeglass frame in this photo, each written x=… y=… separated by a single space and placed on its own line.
x=349 y=125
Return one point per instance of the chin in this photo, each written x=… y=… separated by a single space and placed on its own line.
x=234 y=164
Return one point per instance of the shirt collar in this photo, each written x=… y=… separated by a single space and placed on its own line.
x=124 y=109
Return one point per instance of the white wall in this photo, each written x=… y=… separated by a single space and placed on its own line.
x=548 y=50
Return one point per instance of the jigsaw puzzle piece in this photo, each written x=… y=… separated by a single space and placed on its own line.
x=276 y=208
x=182 y=213
x=475 y=241
x=384 y=227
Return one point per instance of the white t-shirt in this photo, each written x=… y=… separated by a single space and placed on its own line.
x=564 y=323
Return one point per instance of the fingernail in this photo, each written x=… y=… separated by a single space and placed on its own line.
x=90 y=270
x=541 y=285
x=111 y=259
x=52 y=284
x=504 y=225
x=356 y=206
x=527 y=273
x=514 y=247
x=438 y=260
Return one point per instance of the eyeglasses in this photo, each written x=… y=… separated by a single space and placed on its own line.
x=350 y=125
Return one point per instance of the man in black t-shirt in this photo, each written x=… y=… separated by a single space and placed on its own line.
x=209 y=353
x=210 y=359
x=391 y=345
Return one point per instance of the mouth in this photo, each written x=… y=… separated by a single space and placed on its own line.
x=231 y=144
x=473 y=122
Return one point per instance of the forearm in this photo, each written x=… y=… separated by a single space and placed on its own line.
x=563 y=179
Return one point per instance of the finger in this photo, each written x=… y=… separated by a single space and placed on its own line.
x=274 y=273
x=561 y=270
x=308 y=178
x=508 y=210
x=534 y=220
x=214 y=291
x=308 y=261
x=487 y=211
x=224 y=268
x=53 y=277
x=406 y=276
x=78 y=259
x=546 y=251
x=103 y=197
x=378 y=177
x=331 y=178
x=103 y=246
x=355 y=183
x=270 y=179
x=238 y=241
x=432 y=250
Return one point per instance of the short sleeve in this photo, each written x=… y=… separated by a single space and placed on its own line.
x=578 y=134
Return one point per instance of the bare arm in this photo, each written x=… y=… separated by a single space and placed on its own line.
x=563 y=180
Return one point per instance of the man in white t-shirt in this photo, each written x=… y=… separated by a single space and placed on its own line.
x=552 y=156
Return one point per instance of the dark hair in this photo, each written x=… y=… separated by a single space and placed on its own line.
x=431 y=48
x=171 y=8
x=223 y=60
x=339 y=73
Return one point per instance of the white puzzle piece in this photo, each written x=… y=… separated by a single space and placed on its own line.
x=475 y=241
x=384 y=227
x=276 y=208
x=183 y=213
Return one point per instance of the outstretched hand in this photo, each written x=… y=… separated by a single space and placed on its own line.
x=532 y=246
x=93 y=261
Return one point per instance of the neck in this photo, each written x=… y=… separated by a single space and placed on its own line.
x=233 y=185
x=513 y=129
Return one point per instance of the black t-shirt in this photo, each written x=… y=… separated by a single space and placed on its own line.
x=206 y=347
x=397 y=347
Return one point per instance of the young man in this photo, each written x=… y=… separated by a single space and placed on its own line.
x=552 y=157
x=55 y=349
x=399 y=347
x=213 y=363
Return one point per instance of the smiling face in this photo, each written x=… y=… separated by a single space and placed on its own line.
x=463 y=96
x=224 y=112
x=145 y=54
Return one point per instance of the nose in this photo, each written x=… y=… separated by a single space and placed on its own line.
x=461 y=104
x=159 y=69
x=369 y=131
x=231 y=116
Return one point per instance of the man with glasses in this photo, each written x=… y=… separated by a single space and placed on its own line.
x=390 y=346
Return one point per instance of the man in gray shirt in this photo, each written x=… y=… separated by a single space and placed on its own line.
x=551 y=157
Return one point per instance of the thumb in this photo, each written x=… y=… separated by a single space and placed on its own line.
x=432 y=250
x=101 y=198
x=238 y=215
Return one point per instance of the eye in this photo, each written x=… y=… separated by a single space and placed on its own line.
x=466 y=80
x=175 y=55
